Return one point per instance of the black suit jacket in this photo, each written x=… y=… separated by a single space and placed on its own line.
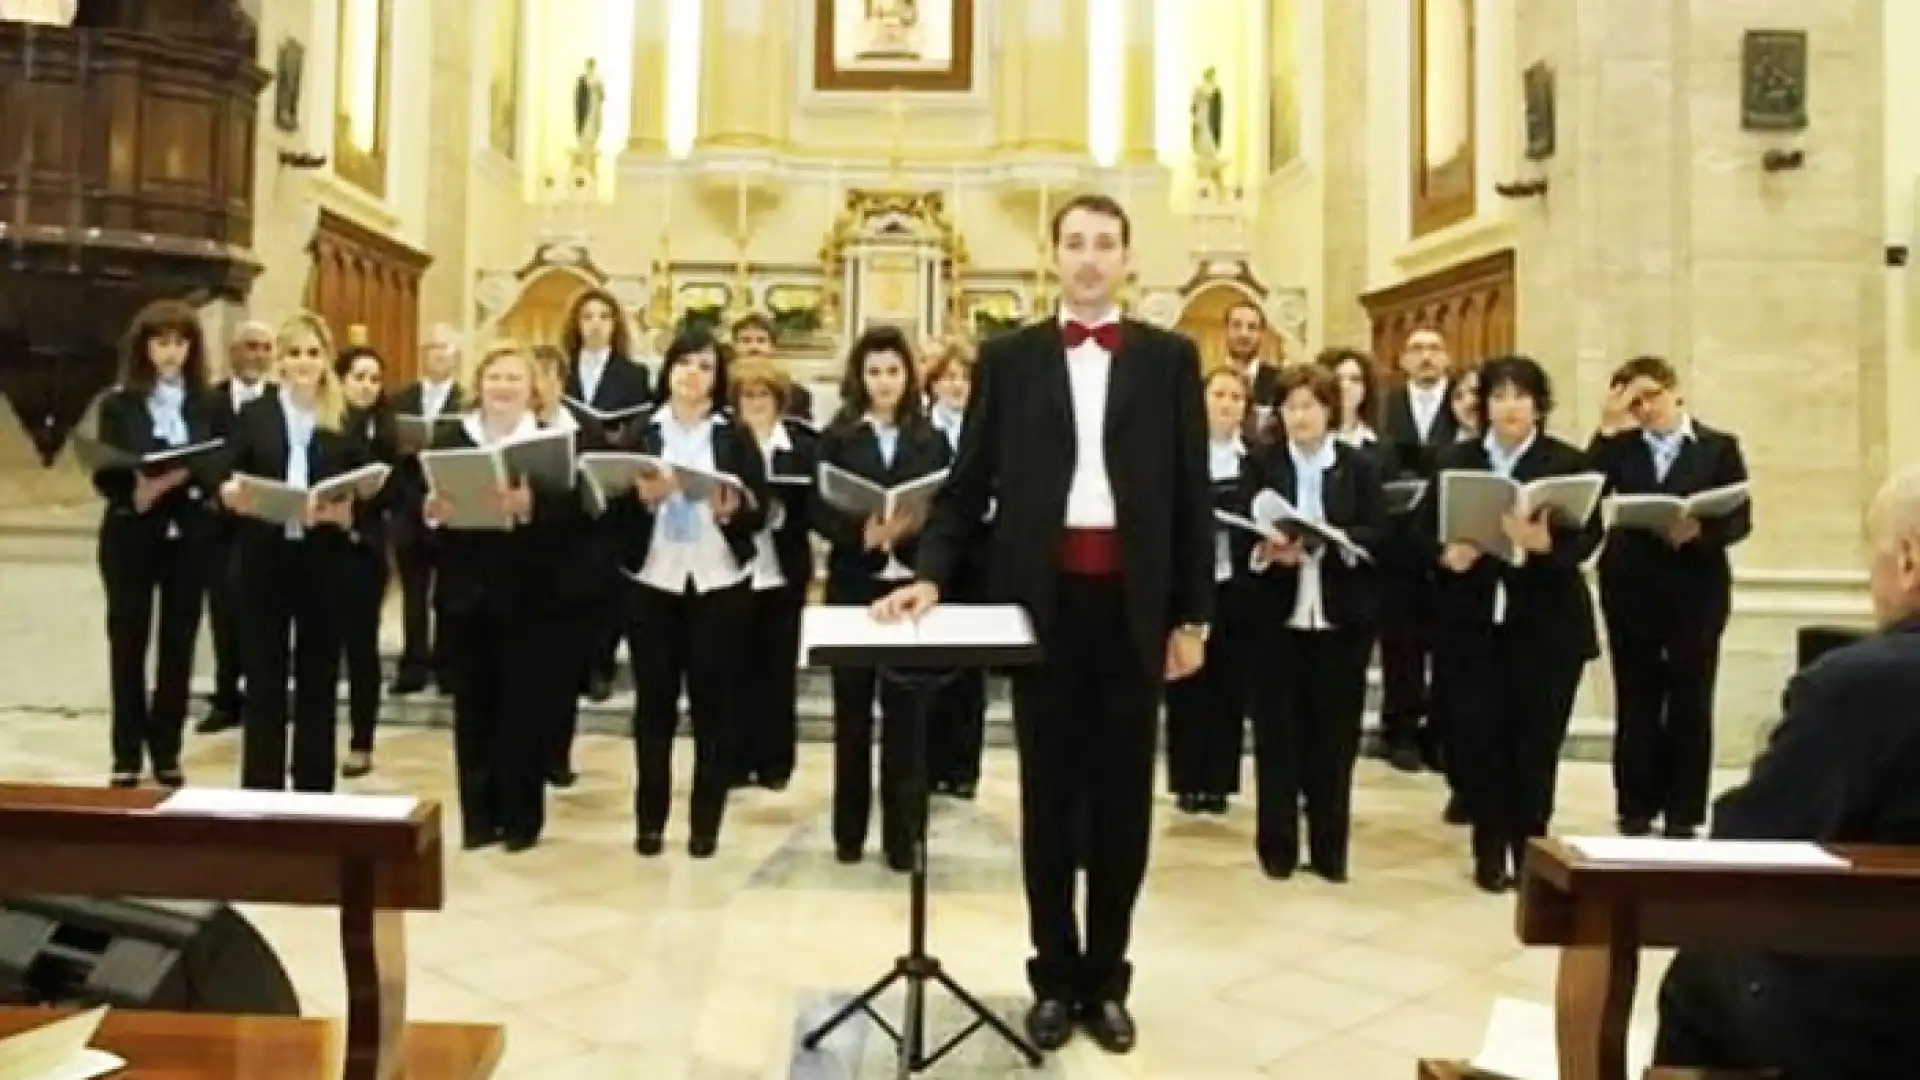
x=1414 y=455
x=378 y=430
x=734 y=452
x=519 y=569
x=792 y=540
x=1546 y=594
x=408 y=485
x=258 y=447
x=799 y=402
x=1641 y=572
x=1353 y=499
x=853 y=447
x=1017 y=446
x=125 y=424
x=1843 y=767
x=622 y=385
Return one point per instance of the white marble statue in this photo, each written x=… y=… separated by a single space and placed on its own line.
x=589 y=108
x=1206 y=116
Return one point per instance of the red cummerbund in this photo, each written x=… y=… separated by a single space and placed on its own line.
x=1090 y=552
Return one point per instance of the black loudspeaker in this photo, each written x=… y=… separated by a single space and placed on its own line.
x=1813 y=642
x=168 y=955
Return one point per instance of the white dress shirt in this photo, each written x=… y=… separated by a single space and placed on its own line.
x=591 y=367
x=241 y=391
x=434 y=395
x=766 y=562
x=1426 y=403
x=704 y=561
x=1502 y=464
x=1310 y=477
x=1089 y=371
x=1223 y=466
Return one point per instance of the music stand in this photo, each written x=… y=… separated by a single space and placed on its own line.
x=920 y=656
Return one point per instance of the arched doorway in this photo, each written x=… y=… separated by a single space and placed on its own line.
x=1203 y=317
x=538 y=315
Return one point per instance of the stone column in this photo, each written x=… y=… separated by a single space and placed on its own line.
x=647 y=132
x=450 y=105
x=745 y=57
x=1055 y=98
x=1137 y=143
x=1344 y=211
x=1662 y=233
x=1009 y=78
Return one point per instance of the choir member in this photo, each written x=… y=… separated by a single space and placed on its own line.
x=498 y=609
x=956 y=734
x=1359 y=405
x=289 y=576
x=603 y=375
x=752 y=336
x=1417 y=422
x=248 y=357
x=1207 y=714
x=689 y=560
x=1463 y=399
x=416 y=548
x=1318 y=612
x=1665 y=597
x=768 y=731
x=363 y=593
x=1512 y=639
x=1246 y=342
x=881 y=434
x=578 y=576
x=153 y=536
x=1073 y=420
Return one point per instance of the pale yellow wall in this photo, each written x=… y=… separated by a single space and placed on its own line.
x=1290 y=235
x=1902 y=78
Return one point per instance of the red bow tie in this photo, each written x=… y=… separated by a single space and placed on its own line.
x=1106 y=335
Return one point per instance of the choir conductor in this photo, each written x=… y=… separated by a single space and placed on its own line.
x=1087 y=434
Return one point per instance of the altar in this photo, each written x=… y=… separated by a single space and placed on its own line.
x=893 y=258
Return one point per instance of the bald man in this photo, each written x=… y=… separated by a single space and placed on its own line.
x=1843 y=767
x=249 y=355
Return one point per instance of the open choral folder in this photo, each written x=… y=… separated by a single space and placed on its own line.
x=1473 y=504
x=606 y=475
x=281 y=503
x=863 y=498
x=951 y=635
x=414 y=433
x=1520 y=1044
x=96 y=456
x=608 y=417
x=59 y=1051
x=469 y=480
x=1272 y=517
x=1658 y=512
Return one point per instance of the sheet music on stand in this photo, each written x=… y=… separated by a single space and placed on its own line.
x=951 y=634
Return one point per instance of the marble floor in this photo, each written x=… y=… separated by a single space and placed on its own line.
x=605 y=965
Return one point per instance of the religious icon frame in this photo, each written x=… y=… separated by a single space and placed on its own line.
x=831 y=75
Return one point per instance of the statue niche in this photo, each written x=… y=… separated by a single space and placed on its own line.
x=129 y=143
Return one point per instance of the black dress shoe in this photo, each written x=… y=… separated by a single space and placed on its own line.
x=847 y=856
x=1332 y=873
x=1405 y=758
x=1049 y=1024
x=562 y=777
x=358 y=764
x=1636 y=826
x=474 y=841
x=1277 y=869
x=900 y=862
x=599 y=689
x=218 y=720
x=966 y=789
x=1681 y=832
x=1491 y=878
x=1110 y=1026
x=773 y=783
x=519 y=843
x=1214 y=804
x=1456 y=811
x=124 y=778
x=1187 y=802
x=169 y=777
x=703 y=847
x=406 y=682
x=649 y=844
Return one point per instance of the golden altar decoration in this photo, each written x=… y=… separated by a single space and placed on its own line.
x=893 y=258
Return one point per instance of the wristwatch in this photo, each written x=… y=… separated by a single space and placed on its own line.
x=1198 y=629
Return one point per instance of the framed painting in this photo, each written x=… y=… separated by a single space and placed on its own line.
x=503 y=80
x=924 y=46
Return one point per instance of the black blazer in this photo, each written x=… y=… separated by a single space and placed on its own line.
x=517 y=569
x=853 y=447
x=1546 y=594
x=1352 y=496
x=258 y=447
x=734 y=452
x=1017 y=445
x=125 y=424
x=1415 y=456
x=1843 y=767
x=623 y=385
x=409 y=484
x=792 y=540
x=378 y=430
x=1639 y=568
x=799 y=402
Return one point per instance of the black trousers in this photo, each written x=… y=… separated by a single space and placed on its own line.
x=424 y=648
x=1086 y=721
x=1207 y=713
x=691 y=639
x=1310 y=692
x=361 y=597
x=290 y=627
x=501 y=663
x=855 y=692
x=1665 y=664
x=224 y=620
x=1714 y=1014
x=957 y=730
x=767 y=730
x=576 y=638
x=1510 y=692
x=1406 y=651
x=138 y=565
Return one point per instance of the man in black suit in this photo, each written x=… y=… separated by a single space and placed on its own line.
x=1843 y=767
x=248 y=357
x=1090 y=430
x=752 y=336
x=1418 y=423
x=423 y=654
x=1246 y=340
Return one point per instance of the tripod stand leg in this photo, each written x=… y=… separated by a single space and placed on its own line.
x=990 y=1018
x=913 y=1029
x=863 y=1003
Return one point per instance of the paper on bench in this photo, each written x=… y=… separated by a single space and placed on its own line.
x=950 y=625
x=303 y=804
x=1663 y=852
x=1520 y=1044
x=58 y=1051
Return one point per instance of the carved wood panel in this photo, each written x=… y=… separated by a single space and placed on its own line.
x=1470 y=303
x=360 y=277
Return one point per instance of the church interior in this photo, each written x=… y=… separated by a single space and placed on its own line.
x=1724 y=184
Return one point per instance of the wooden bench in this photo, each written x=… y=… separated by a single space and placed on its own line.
x=97 y=842
x=1599 y=915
